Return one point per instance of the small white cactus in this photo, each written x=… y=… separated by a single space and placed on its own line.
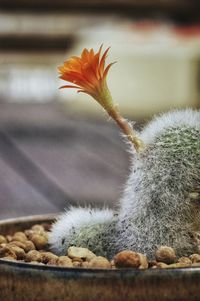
x=71 y=227
x=158 y=206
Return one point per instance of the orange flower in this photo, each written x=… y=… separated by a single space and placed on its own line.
x=88 y=74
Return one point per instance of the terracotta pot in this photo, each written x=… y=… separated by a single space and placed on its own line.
x=23 y=281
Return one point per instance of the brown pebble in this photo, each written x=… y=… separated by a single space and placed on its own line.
x=127 y=259
x=99 y=262
x=29 y=233
x=143 y=261
x=77 y=259
x=36 y=262
x=19 y=252
x=176 y=265
x=154 y=267
x=165 y=254
x=19 y=236
x=185 y=260
x=8 y=238
x=85 y=264
x=77 y=264
x=39 y=241
x=7 y=252
x=152 y=263
x=3 y=239
x=33 y=255
x=47 y=256
x=38 y=228
x=29 y=245
x=113 y=264
x=64 y=261
x=196 y=264
x=78 y=252
x=9 y=258
x=52 y=261
x=17 y=243
x=195 y=258
x=161 y=265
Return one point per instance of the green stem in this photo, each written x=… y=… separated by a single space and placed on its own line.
x=126 y=129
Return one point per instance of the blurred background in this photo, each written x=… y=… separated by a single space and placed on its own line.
x=56 y=146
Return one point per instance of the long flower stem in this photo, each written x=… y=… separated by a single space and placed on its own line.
x=126 y=129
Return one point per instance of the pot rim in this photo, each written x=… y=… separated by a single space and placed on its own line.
x=88 y=272
x=29 y=218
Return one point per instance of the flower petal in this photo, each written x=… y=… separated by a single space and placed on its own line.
x=102 y=62
x=107 y=69
x=87 y=73
x=85 y=55
x=69 y=86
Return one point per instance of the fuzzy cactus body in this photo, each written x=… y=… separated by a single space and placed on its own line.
x=98 y=238
x=83 y=227
x=160 y=204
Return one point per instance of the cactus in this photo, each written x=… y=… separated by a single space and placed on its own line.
x=83 y=227
x=160 y=204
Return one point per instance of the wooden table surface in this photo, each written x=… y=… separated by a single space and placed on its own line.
x=49 y=160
